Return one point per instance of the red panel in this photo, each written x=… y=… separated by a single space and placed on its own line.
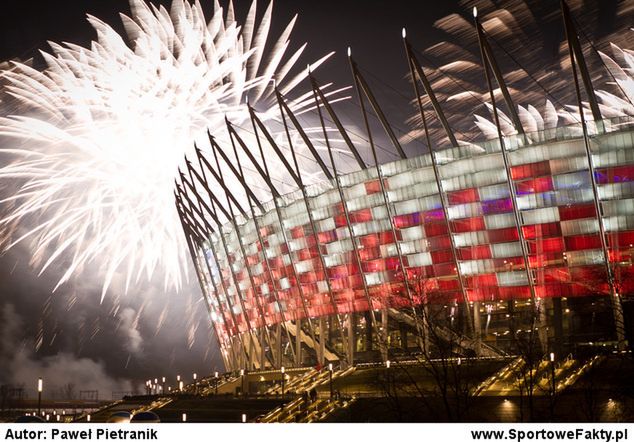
x=583 y=242
x=327 y=237
x=361 y=216
x=409 y=220
x=377 y=239
x=547 y=245
x=416 y=273
x=297 y=232
x=380 y=265
x=439 y=242
x=476 y=281
x=540 y=260
x=577 y=212
x=307 y=253
x=618 y=174
x=441 y=256
x=343 y=270
x=621 y=239
x=444 y=269
x=468 y=225
x=536 y=185
x=589 y=275
x=448 y=284
x=542 y=230
x=482 y=251
x=503 y=235
x=553 y=290
x=374 y=186
x=463 y=196
x=516 y=292
x=530 y=170
x=507 y=264
x=435 y=229
x=369 y=253
x=340 y=220
x=553 y=275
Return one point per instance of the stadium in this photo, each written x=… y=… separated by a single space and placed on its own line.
x=465 y=248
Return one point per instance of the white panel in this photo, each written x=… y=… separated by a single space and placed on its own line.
x=375 y=278
x=412 y=233
x=621 y=207
x=495 y=192
x=468 y=210
x=297 y=244
x=499 y=221
x=339 y=247
x=618 y=223
x=541 y=216
x=579 y=226
x=304 y=266
x=585 y=257
x=616 y=190
x=507 y=249
x=471 y=238
x=257 y=269
x=506 y=279
x=476 y=267
x=419 y=259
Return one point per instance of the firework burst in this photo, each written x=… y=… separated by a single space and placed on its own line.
x=101 y=131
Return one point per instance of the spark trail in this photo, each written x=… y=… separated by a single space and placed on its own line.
x=101 y=131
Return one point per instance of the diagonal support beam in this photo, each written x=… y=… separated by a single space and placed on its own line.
x=362 y=86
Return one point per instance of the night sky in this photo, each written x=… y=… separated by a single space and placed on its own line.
x=371 y=27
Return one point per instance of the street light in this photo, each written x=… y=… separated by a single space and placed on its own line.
x=180 y=385
x=40 y=384
x=88 y=418
x=216 y=382
x=552 y=370
x=283 y=376
x=244 y=418
x=387 y=363
x=242 y=380
x=163 y=387
x=330 y=378
x=184 y=417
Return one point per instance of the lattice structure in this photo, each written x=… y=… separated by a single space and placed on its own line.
x=362 y=265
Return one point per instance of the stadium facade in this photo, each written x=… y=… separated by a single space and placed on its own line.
x=469 y=244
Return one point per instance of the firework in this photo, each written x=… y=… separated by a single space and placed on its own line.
x=101 y=131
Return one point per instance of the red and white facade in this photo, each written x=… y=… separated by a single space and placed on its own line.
x=295 y=282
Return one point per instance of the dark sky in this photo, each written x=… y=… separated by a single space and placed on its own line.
x=371 y=27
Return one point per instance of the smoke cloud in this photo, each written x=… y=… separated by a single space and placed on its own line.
x=21 y=366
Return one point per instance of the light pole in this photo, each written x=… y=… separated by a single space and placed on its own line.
x=242 y=380
x=163 y=387
x=552 y=392
x=330 y=378
x=283 y=379
x=216 y=382
x=195 y=376
x=40 y=384
x=552 y=371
